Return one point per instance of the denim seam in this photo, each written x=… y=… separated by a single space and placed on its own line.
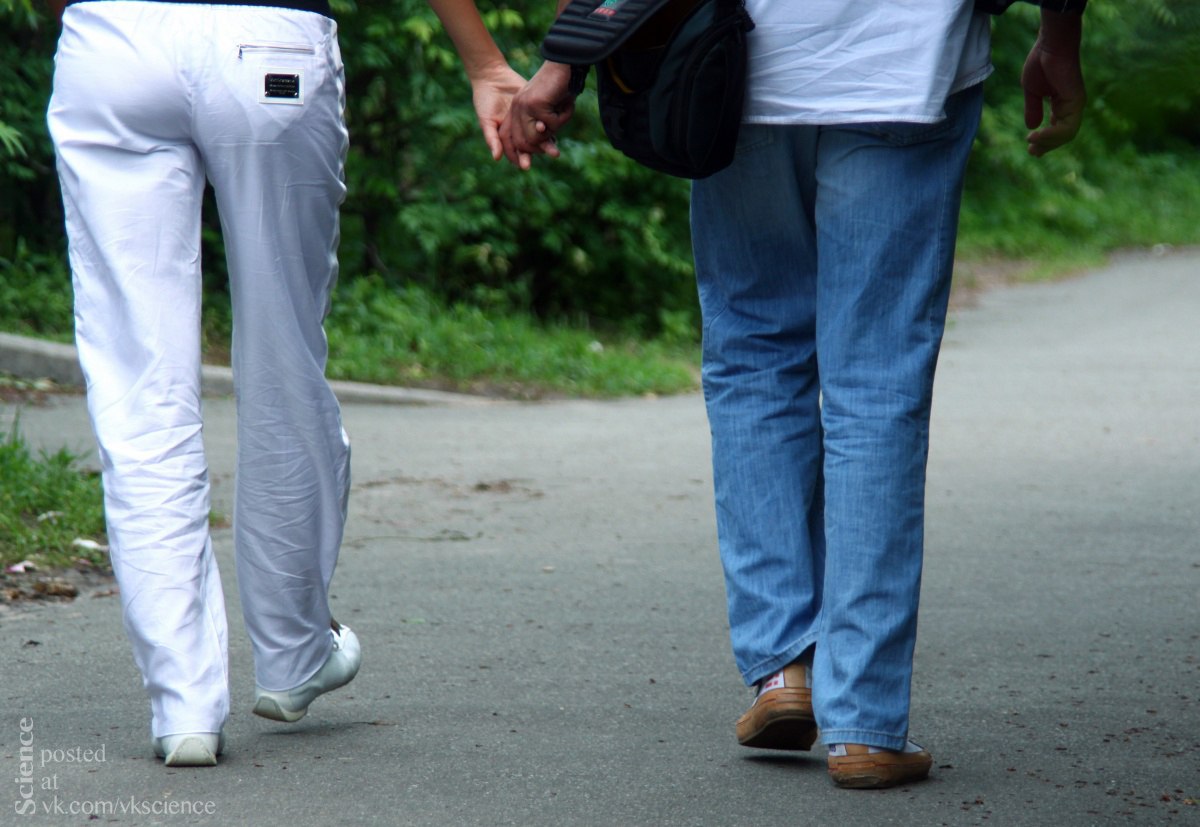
x=769 y=666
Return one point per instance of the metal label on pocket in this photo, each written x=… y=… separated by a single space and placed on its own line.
x=282 y=86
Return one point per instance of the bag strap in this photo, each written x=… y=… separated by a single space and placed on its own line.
x=587 y=31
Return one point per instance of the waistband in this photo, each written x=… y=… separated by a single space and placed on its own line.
x=318 y=6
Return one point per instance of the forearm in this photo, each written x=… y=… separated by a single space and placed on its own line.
x=559 y=72
x=471 y=39
x=56 y=8
x=1061 y=32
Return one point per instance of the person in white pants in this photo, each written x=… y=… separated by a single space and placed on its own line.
x=150 y=98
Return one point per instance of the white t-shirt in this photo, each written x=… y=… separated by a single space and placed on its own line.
x=833 y=61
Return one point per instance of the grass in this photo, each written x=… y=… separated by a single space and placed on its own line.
x=408 y=337
x=1082 y=212
x=48 y=504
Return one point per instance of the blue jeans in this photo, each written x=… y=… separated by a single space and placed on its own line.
x=823 y=258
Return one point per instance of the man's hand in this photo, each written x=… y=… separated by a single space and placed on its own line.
x=492 y=92
x=538 y=111
x=1052 y=72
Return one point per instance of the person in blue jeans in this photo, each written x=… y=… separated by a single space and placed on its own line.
x=823 y=259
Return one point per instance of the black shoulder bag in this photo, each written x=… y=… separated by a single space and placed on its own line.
x=671 y=76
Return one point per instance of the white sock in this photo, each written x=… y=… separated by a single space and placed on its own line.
x=776 y=681
x=839 y=750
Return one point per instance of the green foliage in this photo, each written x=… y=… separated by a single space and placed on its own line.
x=46 y=503
x=29 y=206
x=407 y=336
x=1083 y=209
x=35 y=293
x=591 y=237
x=1131 y=177
x=1142 y=61
x=592 y=240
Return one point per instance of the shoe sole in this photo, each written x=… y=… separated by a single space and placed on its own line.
x=191 y=752
x=786 y=731
x=782 y=720
x=866 y=775
x=266 y=707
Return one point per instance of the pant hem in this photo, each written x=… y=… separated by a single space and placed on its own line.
x=765 y=668
x=867 y=737
x=185 y=728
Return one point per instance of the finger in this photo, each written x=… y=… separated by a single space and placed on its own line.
x=1069 y=113
x=532 y=144
x=554 y=121
x=543 y=147
x=1064 y=126
x=510 y=150
x=1050 y=138
x=1034 y=112
x=491 y=136
x=514 y=142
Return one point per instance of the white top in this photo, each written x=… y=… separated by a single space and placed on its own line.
x=833 y=61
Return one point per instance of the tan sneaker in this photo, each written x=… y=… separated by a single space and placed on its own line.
x=782 y=714
x=860 y=767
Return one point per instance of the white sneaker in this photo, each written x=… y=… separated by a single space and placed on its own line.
x=292 y=704
x=190 y=749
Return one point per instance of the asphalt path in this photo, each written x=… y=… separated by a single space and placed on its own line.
x=540 y=603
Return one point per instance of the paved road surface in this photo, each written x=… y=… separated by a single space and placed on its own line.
x=540 y=603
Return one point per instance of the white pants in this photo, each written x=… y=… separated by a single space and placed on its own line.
x=148 y=99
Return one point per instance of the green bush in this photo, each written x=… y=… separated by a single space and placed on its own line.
x=1131 y=177
x=35 y=293
x=30 y=209
x=592 y=239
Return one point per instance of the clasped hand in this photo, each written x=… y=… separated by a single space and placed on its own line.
x=519 y=119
